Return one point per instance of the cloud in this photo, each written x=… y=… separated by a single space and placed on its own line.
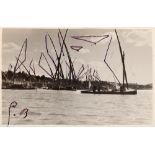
x=80 y=61
x=96 y=64
x=84 y=51
x=106 y=40
x=92 y=64
x=138 y=37
x=10 y=46
x=9 y=52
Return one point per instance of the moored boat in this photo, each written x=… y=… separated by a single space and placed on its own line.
x=128 y=92
x=123 y=87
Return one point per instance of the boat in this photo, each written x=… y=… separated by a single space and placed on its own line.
x=18 y=86
x=128 y=92
x=65 y=88
x=123 y=87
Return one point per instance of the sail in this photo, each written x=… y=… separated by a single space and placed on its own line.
x=89 y=84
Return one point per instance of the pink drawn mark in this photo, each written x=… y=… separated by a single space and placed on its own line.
x=89 y=38
x=76 y=48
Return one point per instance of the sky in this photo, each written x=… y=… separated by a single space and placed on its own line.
x=136 y=43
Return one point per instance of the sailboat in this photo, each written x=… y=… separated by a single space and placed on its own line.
x=123 y=87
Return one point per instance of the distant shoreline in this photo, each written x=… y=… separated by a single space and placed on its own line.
x=37 y=81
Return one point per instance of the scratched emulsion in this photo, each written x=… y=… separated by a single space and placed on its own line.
x=50 y=107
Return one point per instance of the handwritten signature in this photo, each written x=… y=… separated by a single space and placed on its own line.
x=23 y=112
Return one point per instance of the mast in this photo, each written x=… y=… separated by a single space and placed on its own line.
x=32 y=68
x=123 y=61
x=39 y=63
x=59 y=66
x=16 y=67
x=71 y=66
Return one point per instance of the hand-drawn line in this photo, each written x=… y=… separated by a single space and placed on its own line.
x=76 y=48
x=12 y=105
x=83 y=38
x=108 y=64
x=22 y=112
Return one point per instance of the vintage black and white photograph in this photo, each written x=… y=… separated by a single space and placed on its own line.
x=77 y=76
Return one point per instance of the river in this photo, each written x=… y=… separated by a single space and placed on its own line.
x=51 y=107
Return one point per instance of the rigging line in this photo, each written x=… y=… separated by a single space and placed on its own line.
x=114 y=80
x=97 y=78
x=112 y=72
x=107 y=63
x=66 y=72
x=32 y=69
x=39 y=63
x=59 y=40
x=125 y=69
x=97 y=75
x=122 y=57
x=25 y=43
x=56 y=68
x=24 y=67
x=48 y=64
x=85 y=73
x=47 y=35
x=72 y=70
x=80 y=71
x=61 y=52
x=15 y=67
x=53 y=45
x=74 y=60
x=58 y=71
x=48 y=51
x=94 y=72
x=67 y=63
x=61 y=44
x=82 y=76
x=59 y=65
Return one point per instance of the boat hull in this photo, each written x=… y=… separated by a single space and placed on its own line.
x=133 y=92
x=68 y=89
x=20 y=88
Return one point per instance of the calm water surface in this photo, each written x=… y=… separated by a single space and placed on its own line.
x=50 y=107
